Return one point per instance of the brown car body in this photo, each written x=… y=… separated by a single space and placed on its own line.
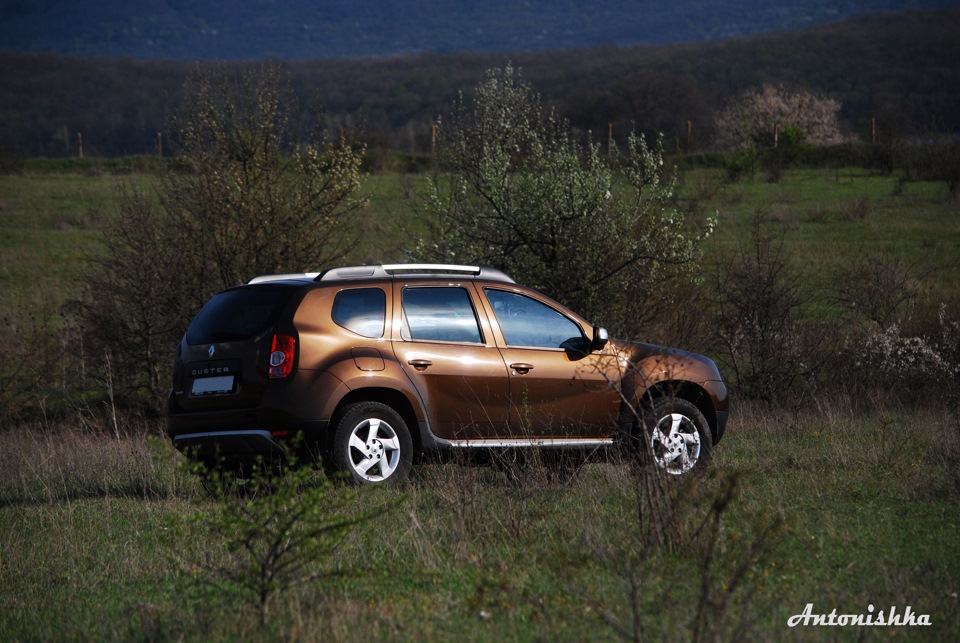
x=463 y=357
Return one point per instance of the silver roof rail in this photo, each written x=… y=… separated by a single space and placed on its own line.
x=291 y=275
x=429 y=268
x=386 y=271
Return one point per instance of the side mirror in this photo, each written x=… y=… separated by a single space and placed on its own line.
x=600 y=338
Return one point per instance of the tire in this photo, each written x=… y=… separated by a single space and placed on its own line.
x=678 y=436
x=372 y=444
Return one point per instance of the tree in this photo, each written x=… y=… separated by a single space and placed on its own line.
x=758 y=117
x=260 y=196
x=517 y=191
x=250 y=194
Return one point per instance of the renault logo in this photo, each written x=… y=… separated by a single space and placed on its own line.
x=211 y=351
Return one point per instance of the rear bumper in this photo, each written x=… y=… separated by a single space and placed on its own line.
x=213 y=445
x=241 y=433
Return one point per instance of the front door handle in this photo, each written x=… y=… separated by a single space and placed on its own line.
x=522 y=368
x=420 y=364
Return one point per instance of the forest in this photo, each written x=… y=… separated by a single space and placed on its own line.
x=895 y=76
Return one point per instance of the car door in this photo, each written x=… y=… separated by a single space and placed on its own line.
x=555 y=392
x=448 y=352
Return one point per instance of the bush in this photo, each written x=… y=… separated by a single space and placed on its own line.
x=255 y=195
x=517 y=191
x=759 y=334
x=281 y=536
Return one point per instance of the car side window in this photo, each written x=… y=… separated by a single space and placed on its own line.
x=528 y=322
x=361 y=310
x=439 y=314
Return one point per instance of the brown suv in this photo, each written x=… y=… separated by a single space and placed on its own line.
x=369 y=366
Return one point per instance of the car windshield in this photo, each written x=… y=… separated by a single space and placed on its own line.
x=238 y=314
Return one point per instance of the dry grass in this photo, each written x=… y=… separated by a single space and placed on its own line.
x=824 y=505
x=59 y=464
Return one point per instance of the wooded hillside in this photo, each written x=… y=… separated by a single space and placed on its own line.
x=297 y=30
x=899 y=69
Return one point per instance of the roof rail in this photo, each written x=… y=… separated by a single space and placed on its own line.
x=291 y=275
x=386 y=271
x=429 y=268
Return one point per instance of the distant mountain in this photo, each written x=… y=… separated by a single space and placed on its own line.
x=896 y=76
x=304 y=29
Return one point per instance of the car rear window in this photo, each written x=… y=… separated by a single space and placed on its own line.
x=363 y=311
x=235 y=315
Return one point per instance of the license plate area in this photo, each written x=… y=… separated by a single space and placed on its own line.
x=219 y=385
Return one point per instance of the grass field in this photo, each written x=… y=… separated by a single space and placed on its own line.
x=842 y=503
x=47 y=219
x=98 y=543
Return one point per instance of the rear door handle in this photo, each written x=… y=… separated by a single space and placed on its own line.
x=522 y=368
x=420 y=364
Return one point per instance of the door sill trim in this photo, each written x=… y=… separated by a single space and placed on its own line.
x=527 y=442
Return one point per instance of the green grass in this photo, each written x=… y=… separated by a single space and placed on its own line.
x=827 y=216
x=97 y=542
x=48 y=218
x=47 y=221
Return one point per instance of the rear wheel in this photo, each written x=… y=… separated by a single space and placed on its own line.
x=678 y=435
x=372 y=444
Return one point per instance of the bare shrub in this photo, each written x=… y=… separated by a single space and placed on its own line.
x=759 y=334
x=879 y=287
x=251 y=194
x=856 y=210
x=132 y=307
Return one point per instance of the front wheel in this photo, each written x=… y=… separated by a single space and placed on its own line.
x=678 y=435
x=372 y=444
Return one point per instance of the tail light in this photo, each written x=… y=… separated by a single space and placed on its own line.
x=281 y=356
